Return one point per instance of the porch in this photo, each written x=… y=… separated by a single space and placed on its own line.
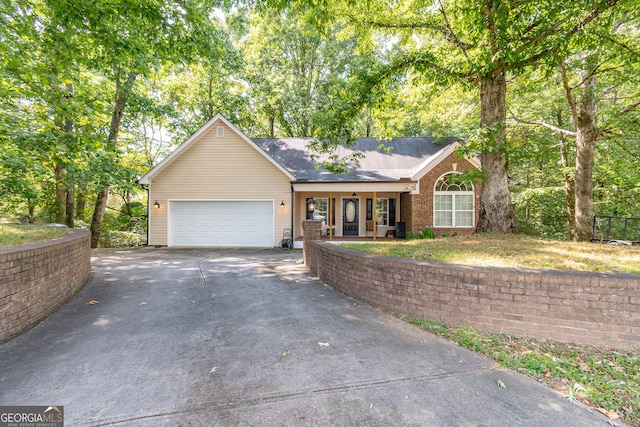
x=355 y=212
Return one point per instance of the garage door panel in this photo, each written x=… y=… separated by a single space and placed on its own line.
x=221 y=223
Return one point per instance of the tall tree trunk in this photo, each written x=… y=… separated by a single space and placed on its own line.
x=583 y=114
x=120 y=101
x=586 y=137
x=80 y=201
x=569 y=192
x=69 y=182
x=61 y=194
x=65 y=124
x=496 y=211
x=71 y=212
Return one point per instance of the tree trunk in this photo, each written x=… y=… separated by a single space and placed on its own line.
x=586 y=136
x=569 y=191
x=122 y=93
x=61 y=194
x=80 y=201
x=65 y=124
x=70 y=219
x=69 y=182
x=496 y=211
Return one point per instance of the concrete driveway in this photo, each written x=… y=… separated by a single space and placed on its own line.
x=250 y=338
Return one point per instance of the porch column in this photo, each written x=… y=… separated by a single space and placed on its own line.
x=311 y=230
x=330 y=224
x=375 y=222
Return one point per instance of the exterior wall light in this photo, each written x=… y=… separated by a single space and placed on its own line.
x=156 y=205
x=282 y=205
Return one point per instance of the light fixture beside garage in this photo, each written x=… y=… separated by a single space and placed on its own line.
x=156 y=205
x=282 y=205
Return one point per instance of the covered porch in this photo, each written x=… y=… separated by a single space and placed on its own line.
x=353 y=211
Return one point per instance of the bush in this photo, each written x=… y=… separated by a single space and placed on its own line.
x=427 y=233
x=121 y=239
x=541 y=212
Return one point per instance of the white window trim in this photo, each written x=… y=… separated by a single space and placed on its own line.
x=377 y=211
x=326 y=216
x=453 y=203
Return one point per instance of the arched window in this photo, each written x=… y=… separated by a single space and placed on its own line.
x=453 y=202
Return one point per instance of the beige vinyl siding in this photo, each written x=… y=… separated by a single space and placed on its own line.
x=220 y=169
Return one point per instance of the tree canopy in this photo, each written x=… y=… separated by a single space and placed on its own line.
x=95 y=93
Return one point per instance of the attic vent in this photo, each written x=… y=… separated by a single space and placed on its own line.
x=220 y=131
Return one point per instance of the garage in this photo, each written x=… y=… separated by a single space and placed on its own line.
x=221 y=223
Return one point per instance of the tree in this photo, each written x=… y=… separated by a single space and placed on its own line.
x=127 y=39
x=292 y=69
x=599 y=83
x=40 y=69
x=481 y=42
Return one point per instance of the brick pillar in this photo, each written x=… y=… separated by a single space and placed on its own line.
x=311 y=230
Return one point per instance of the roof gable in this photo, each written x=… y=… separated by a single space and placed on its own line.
x=431 y=162
x=182 y=148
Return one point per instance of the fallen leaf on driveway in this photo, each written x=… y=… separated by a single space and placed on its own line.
x=143 y=303
x=323 y=344
x=92 y=302
x=214 y=369
x=501 y=384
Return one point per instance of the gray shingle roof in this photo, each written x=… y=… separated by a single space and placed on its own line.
x=376 y=166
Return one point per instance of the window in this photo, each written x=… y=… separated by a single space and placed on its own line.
x=220 y=131
x=382 y=211
x=385 y=211
x=453 y=202
x=322 y=211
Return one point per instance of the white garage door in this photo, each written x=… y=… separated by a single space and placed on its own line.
x=221 y=223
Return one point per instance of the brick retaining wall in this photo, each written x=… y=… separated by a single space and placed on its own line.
x=38 y=278
x=578 y=307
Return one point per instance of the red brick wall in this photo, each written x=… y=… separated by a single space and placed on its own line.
x=38 y=278
x=579 y=307
x=422 y=204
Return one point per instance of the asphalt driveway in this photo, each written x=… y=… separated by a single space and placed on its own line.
x=250 y=338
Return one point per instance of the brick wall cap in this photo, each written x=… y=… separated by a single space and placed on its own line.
x=75 y=234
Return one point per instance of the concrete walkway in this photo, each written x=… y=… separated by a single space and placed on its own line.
x=250 y=338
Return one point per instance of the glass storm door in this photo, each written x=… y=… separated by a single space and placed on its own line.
x=350 y=217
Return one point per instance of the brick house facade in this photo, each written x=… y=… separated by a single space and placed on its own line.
x=421 y=205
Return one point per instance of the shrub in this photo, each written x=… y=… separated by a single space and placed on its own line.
x=427 y=233
x=120 y=239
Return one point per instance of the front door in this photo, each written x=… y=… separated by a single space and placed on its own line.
x=350 y=217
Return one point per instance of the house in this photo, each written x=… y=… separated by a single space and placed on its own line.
x=222 y=189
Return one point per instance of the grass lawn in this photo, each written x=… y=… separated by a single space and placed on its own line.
x=607 y=380
x=512 y=250
x=16 y=235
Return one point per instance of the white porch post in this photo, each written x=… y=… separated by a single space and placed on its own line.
x=375 y=208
